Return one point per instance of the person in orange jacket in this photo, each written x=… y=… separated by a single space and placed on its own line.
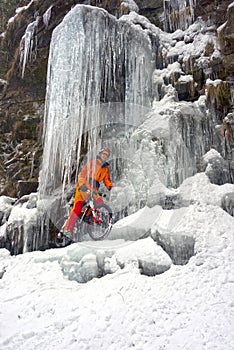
x=94 y=172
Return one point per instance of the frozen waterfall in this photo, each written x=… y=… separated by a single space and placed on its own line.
x=114 y=82
x=99 y=92
x=99 y=82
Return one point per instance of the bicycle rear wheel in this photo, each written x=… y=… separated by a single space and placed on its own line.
x=100 y=229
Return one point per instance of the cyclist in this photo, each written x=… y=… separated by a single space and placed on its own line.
x=94 y=172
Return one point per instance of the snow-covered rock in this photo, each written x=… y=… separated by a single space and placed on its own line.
x=136 y=225
x=216 y=167
x=84 y=262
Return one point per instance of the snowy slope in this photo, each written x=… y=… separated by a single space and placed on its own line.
x=186 y=307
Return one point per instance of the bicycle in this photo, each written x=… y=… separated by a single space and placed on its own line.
x=95 y=219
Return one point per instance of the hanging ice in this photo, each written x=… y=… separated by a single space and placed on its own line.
x=178 y=14
x=93 y=58
x=99 y=89
x=47 y=15
x=27 y=43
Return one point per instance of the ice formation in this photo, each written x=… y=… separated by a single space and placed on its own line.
x=178 y=14
x=46 y=16
x=130 y=5
x=102 y=89
x=27 y=43
x=85 y=262
x=112 y=82
x=94 y=59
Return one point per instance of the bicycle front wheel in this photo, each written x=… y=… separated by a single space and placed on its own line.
x=101 y=228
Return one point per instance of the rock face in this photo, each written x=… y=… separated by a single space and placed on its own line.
x=153 y=10
x=207 y=73
x=226 y=39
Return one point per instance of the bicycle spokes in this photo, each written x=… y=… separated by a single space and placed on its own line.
x=97 y=218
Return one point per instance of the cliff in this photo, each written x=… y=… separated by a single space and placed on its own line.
x=23 y=76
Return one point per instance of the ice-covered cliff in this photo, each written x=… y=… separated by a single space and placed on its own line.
x=152 y=96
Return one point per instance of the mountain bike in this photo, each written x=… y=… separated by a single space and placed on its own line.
x=94 y=220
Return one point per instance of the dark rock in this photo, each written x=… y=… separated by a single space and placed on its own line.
x=3 y=270
x=26 y=187
x=153 y=10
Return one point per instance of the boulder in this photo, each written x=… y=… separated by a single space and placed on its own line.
x=26 y=187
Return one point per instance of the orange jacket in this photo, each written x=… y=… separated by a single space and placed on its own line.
x=91 y=175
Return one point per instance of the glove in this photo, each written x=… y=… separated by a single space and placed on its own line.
x=83 y=188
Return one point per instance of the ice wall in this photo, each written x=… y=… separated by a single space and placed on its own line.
x=94 y=58
x=100 y=92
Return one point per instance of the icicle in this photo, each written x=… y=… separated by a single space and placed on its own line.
x=94 y=57
x=26 y=45
x=32 y=164
x=178 y=14
x=46 y=16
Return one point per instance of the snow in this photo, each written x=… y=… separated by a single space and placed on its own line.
x=86 y=261
x=6 y=203
x=131 y=5
x=198 y=189
x=136 y=225
x=215 y=82
x=20 y=214
x=164 y=277
x=220 y=28
x=142 y=22
x=188 y=43
x=134 y=304
x=19 y=10
x=186 y=79
x=3 y=82
x=212 y=155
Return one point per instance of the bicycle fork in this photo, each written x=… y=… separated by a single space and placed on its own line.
x=96 y=219
x=89 y=207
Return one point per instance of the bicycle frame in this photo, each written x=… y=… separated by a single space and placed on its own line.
x=89 y=204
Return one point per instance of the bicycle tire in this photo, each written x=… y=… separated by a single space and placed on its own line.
x=99 y=231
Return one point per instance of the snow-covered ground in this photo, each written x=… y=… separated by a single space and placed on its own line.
x=185 y=307
x=126 y=292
